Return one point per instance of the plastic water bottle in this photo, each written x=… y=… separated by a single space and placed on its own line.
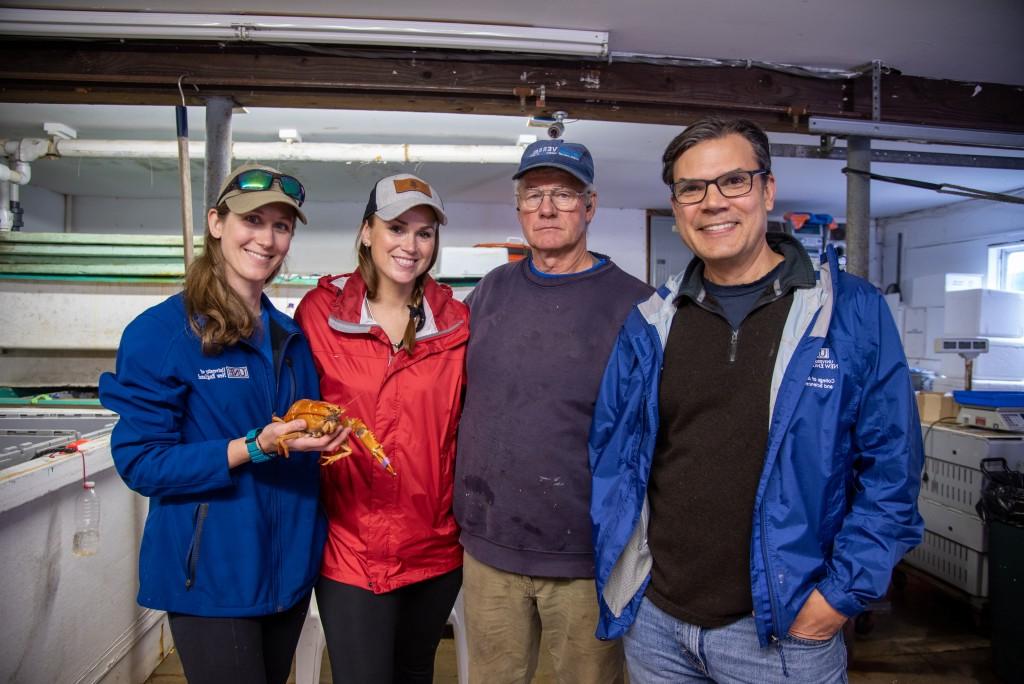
x=87 y=521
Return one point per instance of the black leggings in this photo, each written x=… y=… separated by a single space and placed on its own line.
x=386 y=638
x=252 y=650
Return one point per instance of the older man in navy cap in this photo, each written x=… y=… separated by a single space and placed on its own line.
x=542 y=329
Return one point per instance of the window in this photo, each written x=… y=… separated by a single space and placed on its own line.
x=1006 y=264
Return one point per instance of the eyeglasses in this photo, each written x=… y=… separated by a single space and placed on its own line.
x=732 y=184
x=562 y=198
x=257 y=179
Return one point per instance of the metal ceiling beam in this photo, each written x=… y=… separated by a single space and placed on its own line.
x=786 y=150
x=147 y=72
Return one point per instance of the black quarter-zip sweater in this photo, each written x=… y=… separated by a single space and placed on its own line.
x=714 y=402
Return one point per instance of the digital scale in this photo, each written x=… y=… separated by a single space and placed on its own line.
x=991 y=410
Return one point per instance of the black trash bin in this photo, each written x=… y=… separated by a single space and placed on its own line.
x=1002 y=507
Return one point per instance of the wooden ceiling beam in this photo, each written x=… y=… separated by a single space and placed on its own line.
x=136 y=72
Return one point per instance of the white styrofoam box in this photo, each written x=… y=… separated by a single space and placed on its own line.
x=963 y=528
x=1004 y=361
x=927 y=290
x=984 y=313
x=896 y=308
x=914 y=319
x=470 y=262
x=893 y=299
x=962 y=567
x=930 y=290
x=922 y=325
x=964 y=281
x=913 y=345
x=897 y=318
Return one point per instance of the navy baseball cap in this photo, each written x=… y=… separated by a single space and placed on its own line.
x=570 y=157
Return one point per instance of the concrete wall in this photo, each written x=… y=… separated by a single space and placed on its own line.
x=952 y=239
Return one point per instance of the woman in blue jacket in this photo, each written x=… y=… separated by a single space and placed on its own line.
x=234 y=535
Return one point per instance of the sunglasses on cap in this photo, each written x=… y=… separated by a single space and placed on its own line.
x=256 y=180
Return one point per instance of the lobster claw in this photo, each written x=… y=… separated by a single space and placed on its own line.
x=369 y=440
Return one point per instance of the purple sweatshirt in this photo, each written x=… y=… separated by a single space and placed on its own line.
x=537 y=351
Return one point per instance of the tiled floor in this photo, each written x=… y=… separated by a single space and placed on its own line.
x=926 y=636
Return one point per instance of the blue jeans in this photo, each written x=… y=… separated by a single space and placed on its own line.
x=663 y=650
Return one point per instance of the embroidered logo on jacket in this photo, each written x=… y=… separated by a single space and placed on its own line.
x=237 y=372
x=825 y=371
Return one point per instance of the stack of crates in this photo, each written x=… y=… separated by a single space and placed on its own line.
x=955 y=545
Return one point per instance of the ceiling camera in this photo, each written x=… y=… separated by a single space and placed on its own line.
x=555 y=123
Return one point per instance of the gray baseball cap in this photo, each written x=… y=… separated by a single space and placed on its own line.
x=393 y=196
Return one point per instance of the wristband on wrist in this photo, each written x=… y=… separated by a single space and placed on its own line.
x=252 y=445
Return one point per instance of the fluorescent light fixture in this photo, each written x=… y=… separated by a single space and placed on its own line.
x=881 y=130
x=260 y=28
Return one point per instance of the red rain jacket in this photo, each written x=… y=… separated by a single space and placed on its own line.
x=385 y=531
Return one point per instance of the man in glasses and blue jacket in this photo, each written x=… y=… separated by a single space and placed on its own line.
x=756 y=450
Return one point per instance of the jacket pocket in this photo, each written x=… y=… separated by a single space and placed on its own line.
x=192 y=557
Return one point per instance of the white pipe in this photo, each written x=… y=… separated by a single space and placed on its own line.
x=23 y=170
x=272 y=151
x=8 y=175
x=6 y=217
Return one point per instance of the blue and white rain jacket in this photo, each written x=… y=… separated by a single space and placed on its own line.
x=836 y=505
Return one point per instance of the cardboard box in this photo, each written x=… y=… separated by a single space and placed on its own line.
x=933 y=406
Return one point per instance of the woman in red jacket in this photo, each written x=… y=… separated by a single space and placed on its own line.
x=389 y=344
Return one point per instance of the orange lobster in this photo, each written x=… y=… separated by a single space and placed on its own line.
x=323 y=418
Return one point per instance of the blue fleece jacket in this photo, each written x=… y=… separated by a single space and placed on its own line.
x=218 y=542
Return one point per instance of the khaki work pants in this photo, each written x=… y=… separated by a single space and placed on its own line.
x=509 y=617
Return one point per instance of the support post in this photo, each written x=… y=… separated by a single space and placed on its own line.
x=218 y=146
x=858 y=205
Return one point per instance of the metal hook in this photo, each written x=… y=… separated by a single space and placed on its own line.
x=182 y=92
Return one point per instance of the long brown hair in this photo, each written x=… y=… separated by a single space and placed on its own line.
x=368 y=271
x=216 y=314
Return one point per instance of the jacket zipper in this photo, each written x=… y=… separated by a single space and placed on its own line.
x=192 y=558
x=770 y=578
x=274 y=588
x=275 y=532
x=294 y=383
x=732 y=345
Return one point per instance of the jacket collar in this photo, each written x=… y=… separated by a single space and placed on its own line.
x=350 y=313
x=797 y=270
